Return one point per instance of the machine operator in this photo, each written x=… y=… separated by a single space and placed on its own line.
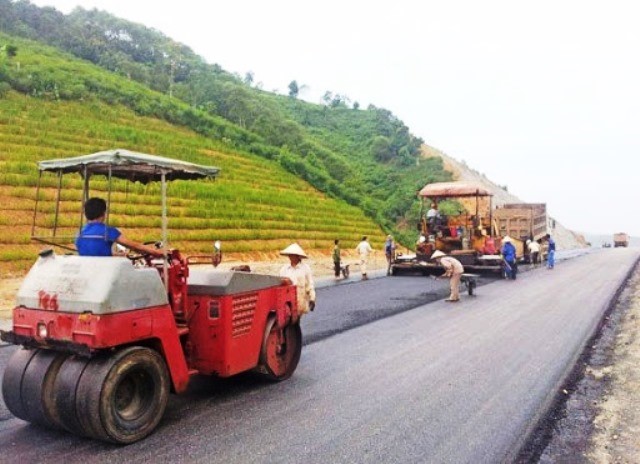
x=97 y=239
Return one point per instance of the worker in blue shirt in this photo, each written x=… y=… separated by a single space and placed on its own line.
x=509 y=256
x=551 y=252
x=97 y=239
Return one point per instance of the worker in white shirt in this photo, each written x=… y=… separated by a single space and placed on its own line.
x=363 y=250
x=452 y=269
x=534 y=252
x=300 y=274
x=432 y=217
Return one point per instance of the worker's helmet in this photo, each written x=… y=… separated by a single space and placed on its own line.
x=294 y=249
x=437 y=254
x=506 y=239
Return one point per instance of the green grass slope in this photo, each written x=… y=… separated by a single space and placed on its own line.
x=254 y=206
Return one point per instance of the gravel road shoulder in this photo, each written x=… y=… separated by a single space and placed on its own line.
x=598 y=419
x=616 y=436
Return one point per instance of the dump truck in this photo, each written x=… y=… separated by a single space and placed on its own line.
x=523 y=221
x=470 y=235
x=620 y=239
x=104 y=340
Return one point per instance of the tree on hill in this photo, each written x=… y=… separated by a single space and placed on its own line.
x=381 y=148
x=293 y=89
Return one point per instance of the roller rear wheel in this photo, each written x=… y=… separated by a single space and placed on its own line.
x=281 y=350
x=27 y=386
x=12 y=381
x=121 y=398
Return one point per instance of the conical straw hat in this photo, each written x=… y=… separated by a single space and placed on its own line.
x=294 y=249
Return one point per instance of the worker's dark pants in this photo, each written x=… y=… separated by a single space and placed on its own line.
x=535 y=258
x=336 y=268
x=511 y=274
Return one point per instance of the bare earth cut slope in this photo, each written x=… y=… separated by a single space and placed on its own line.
x=565 y=239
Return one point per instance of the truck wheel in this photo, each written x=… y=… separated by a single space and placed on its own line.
x=64 y=389
x=280 y=351
x=38 y=388
x=12 y=381
x=121 y=398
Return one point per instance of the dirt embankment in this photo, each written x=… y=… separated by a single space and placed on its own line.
x=617 y=423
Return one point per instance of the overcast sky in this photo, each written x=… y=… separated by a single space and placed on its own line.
x=543 y=97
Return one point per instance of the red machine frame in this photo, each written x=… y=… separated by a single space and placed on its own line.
x=202 y=330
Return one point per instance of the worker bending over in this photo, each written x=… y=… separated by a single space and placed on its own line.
x=452 y=269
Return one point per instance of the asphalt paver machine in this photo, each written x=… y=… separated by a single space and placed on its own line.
x=106 y=339
x=470 y=235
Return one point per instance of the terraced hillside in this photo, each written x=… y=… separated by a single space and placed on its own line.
x=254 y=206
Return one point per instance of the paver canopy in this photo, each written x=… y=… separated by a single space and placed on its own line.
x=454 y=189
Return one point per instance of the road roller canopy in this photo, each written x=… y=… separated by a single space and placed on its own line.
x=454 y=190
x=125 y=164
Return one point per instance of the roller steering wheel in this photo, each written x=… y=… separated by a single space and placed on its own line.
x=141 y=257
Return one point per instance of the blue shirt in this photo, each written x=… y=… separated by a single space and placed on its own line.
x=388 y=246
x=96 y=239
x=552 y=245
x=509 y=252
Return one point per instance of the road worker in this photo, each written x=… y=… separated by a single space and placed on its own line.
x=551 y=252
x=97 y=239
x=432 y=218
x=509 y=256
x=534 y=252
x=452 y=269
x=389 y=252
x=336 y=258
x=300 y=274
x=363 y=250
x=216 y=258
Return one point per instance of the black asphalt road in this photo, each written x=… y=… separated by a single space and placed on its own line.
x=439 y=383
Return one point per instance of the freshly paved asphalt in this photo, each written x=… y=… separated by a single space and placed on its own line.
x=441 y=382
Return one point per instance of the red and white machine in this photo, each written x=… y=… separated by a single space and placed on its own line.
x=104 y=341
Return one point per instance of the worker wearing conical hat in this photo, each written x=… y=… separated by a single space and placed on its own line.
x=452 y=269
x=300 y=274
